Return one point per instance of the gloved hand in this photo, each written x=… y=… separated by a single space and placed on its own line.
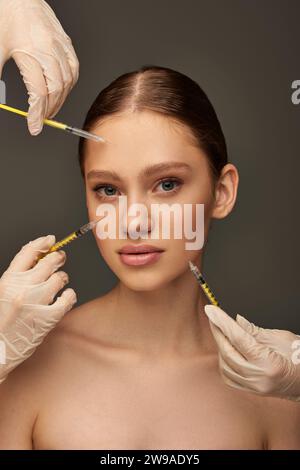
x=258 y=360
x=26 y=290
x=31 y=34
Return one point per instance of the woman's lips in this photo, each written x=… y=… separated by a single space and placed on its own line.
x=140 y=259
x=139 y=255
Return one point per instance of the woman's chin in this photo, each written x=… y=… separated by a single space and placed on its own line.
x=139 y=285
x=144 y=281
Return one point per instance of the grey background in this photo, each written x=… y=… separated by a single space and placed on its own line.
x=245 y=56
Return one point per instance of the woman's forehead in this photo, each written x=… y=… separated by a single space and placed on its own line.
x=143 y=126
x=139 y=139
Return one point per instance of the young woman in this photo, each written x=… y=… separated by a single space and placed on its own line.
x=138 y=367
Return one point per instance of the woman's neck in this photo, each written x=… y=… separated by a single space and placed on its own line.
x=168 y=322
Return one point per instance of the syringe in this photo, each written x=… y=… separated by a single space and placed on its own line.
x=58 y=125
x=69 y=238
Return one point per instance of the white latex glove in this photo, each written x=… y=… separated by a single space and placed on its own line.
x=26 y=290
x=255 y=359
x=31 y=34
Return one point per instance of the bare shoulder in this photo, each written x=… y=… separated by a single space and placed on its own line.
x=283 y=423
x=279 y=419
x=77 y=332
x=25 y=390
x=76 y=329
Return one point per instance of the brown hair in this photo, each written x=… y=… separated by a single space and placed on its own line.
x=168 y=92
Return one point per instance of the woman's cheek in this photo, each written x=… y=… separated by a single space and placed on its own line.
x=107 y=249
x=92 y=205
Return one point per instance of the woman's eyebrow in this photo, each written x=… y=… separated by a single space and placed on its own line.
x=103 y=174
x=150 y=170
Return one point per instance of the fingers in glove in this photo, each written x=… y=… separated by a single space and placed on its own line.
x=37 y=321
x=279 y=340
x=44 y=317
x=34 y=79
x=44 y=293
x=231 y=356
x=54 y=80
x=248 y=383
x=27 y=256
x=67 y=76
x=233 y=384
x=248 y=326
x=61 y=306
x=47 y=266
x=72 y=58
x=237 y=336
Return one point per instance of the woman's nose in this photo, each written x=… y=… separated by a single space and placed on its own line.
x=136 y=221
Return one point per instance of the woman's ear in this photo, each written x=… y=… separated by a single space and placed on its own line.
x=225 y=192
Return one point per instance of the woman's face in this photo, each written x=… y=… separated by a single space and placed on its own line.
x=150 y=159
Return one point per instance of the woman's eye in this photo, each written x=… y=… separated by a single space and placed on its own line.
x=169 y=185
x=105 y=190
